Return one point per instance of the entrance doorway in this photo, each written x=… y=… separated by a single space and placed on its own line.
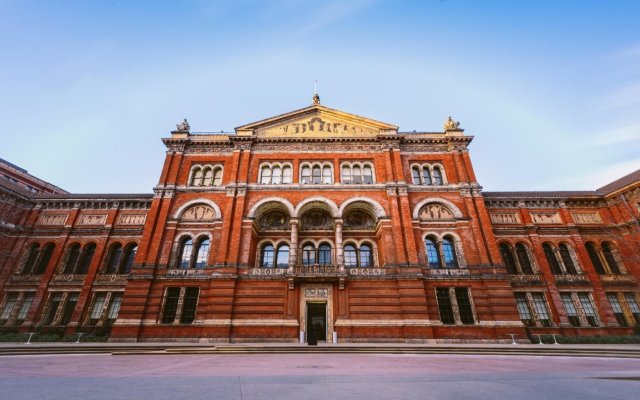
x=317 y=320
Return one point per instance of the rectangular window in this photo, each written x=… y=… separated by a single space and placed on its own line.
x=523 y=309
x=69 y=306
x=189 y=305
x=25 y=306
x=464 y=305
x=114 y=307
x=96 y=310
x=589 y=310
x=444 y=306
x=633 y=306
x=617 y=309
x=540 y=306
x=9 y=304
x=571 y=309
x=170 y=305
x=54 y=303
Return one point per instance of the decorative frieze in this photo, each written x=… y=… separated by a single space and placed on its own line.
x=505 y=218
x=131 y=219
x=367 y=271
x=52 y=219
x=268 y=271
x=322 y=293
x=586 y=217
x=551 y=217
x=434 y=211
x=92 y=219
x=199 y=212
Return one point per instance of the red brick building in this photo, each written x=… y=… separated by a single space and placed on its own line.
x=320 y=223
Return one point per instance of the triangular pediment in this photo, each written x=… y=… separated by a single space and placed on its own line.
x=316 y=121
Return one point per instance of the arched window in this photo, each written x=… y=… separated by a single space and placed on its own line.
x=217 y=177
x=286 y=174
x=523 y=258
x=29 y=265
x=208 y=177
x=45 y=257
x=366 y=256
x=306 y=175
x=85 y=258
x=350 y=256
x=73 y=253
x=186 y=249
x=197 y=177
x=415 y=175
x=266 y=258
x=367 y=173
x=508 y=259
x=266 y=175
x=595 y=258
x=608 y=251
x=433 y=256
x=346 y=174
x=449 y=253
x=551 y=259
x=327 y=176
x=308 y=255
x=356 y=174
x=324 y=254
x=282 y=260
x=426 y=176
x=437 y=176
x=113 y=263
x=316 y=174
x=202 y=253
x=565 y=254
x=276 y=175
x=127 y=260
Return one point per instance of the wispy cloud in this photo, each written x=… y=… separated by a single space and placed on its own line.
x=597 y=177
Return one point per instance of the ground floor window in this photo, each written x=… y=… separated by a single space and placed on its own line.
x=533 y=309
x=179 y=305
x=59 y=308
x=580 y=309
x=455 y=305
x=625 y=308
x=104 y=308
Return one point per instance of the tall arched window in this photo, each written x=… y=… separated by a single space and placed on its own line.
x=327 y=176
x=308 y=255
x=113 y=263
x=316 y=174
x=282 y=259
x=350 y=256
x=595 y=258
x=127 y=260
x=276 y=175
x=523 y=258
x=426 y=176
x=415 y=175
x=346 y=174
x=202 y=253
x=433 y=255
x=286 y=174
x=567 y=260
x=45 y=257
x=85 y=259
x=72 y=259
x=366 y=256
x=449 y=253
x=324 y=254
x=306 y=175
x=608 y=251
x=551 y=259
x=508 y=259
x=208 y=177
x=356 y=174
x=32 y=257
x=267 y=256
x=217 y=177
x=437 y=176
x=265 y=175
x=186 y=249
x=367 y=174
x=197 y=177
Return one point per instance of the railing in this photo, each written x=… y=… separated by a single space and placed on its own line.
x=111 y=279
x=448 y=272
x=617 y=279
x=526 y=279
x=573 y=279
x=317 y=270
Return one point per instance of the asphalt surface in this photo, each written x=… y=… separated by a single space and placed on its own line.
x=317 y=376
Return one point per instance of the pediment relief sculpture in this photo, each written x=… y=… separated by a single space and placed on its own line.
x=275 y=220
x=199 y=212
x=433 y=211
x=318 y=125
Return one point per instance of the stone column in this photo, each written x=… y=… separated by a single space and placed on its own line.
x=293 y=249
x=339 y=258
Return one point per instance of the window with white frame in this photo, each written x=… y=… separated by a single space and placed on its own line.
x=275 y=173
x=357 y=173
x=427 y=174
x=361 y=256
x=205 y=175
x=274 y=256
x=104 y=308
x=316 y=173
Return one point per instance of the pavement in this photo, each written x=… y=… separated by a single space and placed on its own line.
x=309 y=376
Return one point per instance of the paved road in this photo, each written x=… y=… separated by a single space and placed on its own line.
x=317 y=376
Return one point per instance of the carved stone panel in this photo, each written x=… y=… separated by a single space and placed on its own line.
x=586 y=217
x=318 y=125
x=316 y=220
x=52 y=219
x=274 y=220
x=358 y=220
x=92 y=219
x=131 y=219
x=200 y=212
x=434 y=211
x=551 y=217
x=505 y=218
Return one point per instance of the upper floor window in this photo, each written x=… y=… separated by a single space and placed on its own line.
x=275 y=173
x=312 y=255
x=427 y=174
x=518 y=263
x=561 y=259
x=77 y=261
x=605 y=260
x=316 y=173
x=358 y=257
x=441 y=253
x=357 y=173
x=37 y=259
x=205 y=175
x=119 y=259
x=271 y=256
x=193 y=257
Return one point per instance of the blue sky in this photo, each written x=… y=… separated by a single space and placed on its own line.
x=549 y=89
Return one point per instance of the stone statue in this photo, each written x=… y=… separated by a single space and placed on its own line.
x=451 y=124
x=316 y=99
x=183 y=126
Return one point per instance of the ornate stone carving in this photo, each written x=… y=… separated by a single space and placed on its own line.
x=434 y=211
x=199 y=212
x=52 y=219
x=586 y=217
x=316 y=220
x=131 y=219
x=450 y=124
x=92 y=219
x=318 y=124
x=274 y=220
x=359 y=220
x=551 y=217
x=505 y=218
x=183 y=126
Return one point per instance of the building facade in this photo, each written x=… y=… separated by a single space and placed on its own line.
x=319 y=223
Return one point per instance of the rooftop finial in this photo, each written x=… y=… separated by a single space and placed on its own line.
x=450 y=124
x=183 y=126
x=316 y=98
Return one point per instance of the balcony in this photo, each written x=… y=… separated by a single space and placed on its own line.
x=317 y=270
x=566 y=279
x=523 y=280
x=613 y=280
